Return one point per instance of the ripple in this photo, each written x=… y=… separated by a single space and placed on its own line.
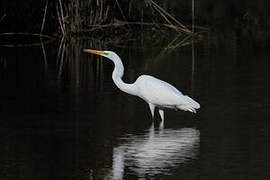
x=155 y=152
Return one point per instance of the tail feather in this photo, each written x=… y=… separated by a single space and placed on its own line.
x=192 y=102
x=187 y=108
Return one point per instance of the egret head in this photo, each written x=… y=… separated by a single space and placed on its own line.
x=108 y=54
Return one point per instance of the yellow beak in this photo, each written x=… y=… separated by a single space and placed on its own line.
x=94 y=51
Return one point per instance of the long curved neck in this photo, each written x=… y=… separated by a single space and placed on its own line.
x=117 y=75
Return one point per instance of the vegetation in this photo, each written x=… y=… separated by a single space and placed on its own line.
x=105 y=18
x=89 y=16
x=100 y=18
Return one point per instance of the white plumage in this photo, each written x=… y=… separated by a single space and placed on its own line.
x=155 y=92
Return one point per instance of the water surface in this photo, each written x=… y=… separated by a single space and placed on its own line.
x=61 y=116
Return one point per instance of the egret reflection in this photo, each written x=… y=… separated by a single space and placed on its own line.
x=155 y=152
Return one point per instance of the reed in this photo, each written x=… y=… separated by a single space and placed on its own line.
x=169 y=18
x=76 y=17
x=44 y=18
x=193 y=16
x=60 y=16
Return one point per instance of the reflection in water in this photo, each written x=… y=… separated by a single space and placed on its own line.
x=155 y=152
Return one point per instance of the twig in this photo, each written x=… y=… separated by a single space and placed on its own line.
x=28 y=34
x=26 y=45
x=44 y=18
x=41 y=36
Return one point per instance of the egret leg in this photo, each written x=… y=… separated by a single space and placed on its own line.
x=161 y=125
x=152 y=131
x=161 y=113
x=152 y=108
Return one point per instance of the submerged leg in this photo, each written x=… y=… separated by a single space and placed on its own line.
x=152 y=131
x=161 y=113
x=152 y=109
x=161 y=126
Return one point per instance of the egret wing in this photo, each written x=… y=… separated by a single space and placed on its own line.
x=159 y=92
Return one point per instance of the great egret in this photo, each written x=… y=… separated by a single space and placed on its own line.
x=155 y=92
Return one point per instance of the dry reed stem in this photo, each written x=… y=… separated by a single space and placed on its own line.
x=25 y=45
x=96 y=17
x=193 y=15
x=44 y=53
x=60 y=56
x=101 y=11
x=96 y=27
x=124 y=17
x=166 y=19
x=62 y=14
x=60 y=22
x=121 y=23
x=182 y=43
x=28 y=34
x=60 y=48
x=171 y=45
x=44 y=18
x=77 y=15
x=188 y=39
x=41 y=36
x=164 y=13
x=172 y=42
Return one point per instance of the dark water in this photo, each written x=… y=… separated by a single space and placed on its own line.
x=61 y=116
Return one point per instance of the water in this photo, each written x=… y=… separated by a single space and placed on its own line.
x=61 y=116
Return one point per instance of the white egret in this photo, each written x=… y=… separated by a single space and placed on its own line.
x=155 y=92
